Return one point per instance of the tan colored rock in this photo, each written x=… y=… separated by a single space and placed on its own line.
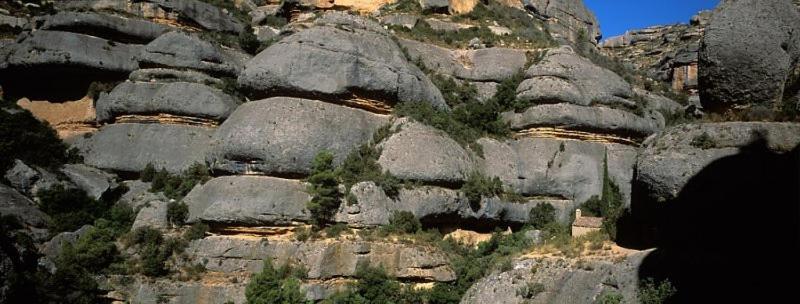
x=69 y=119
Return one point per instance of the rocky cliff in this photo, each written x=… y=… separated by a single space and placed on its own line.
x=404 y=151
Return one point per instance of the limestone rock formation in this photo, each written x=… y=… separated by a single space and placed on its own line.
x=421 y=153
x=130 y=147
x=152 y=214
x=567 y=19
x=95 y=182
x=282 y=135
x=674 y=156
x=748 y=54
x=343 y=57
x=184 y=51
x=111 y=27
x=15 y=204
x=249 y=201
x=176 y=98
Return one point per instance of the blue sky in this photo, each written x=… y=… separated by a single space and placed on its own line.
x=617 y=16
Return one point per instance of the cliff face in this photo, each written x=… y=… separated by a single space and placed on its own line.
x=357 y=143
x=666 y=53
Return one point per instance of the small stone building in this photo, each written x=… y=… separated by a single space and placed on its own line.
x=585 y=224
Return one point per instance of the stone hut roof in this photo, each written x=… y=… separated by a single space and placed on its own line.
x=588 y=222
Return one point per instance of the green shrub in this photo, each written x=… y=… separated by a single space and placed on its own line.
x=506 y=95
x=275 y=21
x=703 y=141
x=324 y=188
x=655 y=292
x=530 y=290
x=153 y=250
x=542 y=215
x=610 y=206
x=455 y=93
x=362 y=165
x=248 y=40
x=609 y=297
x=427 y=114
x=404 y=222
x=71 y=208
x=24 y=137
x=336 y=230
x=478 y=186
x=148 y=173
x=278 y=286
x=177 y=213
x=196 y=231
x=177 y=186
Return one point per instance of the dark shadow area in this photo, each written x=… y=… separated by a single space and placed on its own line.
x=52 y=83
x=732 y=234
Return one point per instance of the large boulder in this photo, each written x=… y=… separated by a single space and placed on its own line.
x=343 y=57
x=282 y=135
x=249 y=200
x=750 y=50
x=490 y=64
x=184 y=51
x=93 y=181
x=591 y=119
x=563 y=76
x=439 y=206
x=176 y=98
x=116 y=28
x=567 y=169
x=423 y=153
x=130 y=147
x=153 y=215
x=15 y=204
x=670 y=159
x=322 y=259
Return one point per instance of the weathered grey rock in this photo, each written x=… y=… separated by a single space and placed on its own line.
x=175 y=98
x=323 y=260
x=93 y=181
x=139 y=194
x=566 y=18
x=15 y=204
x=115 y=28
x=576 y=117
x=21 y=176
x=658 y=103
x=406 y=20
x=446 y=26
x=12 y=22
x=749 y=51
x=30 y=180
x=563 y=281
x=559 y=168
x=266 y=33
x=563 y=76
x=249 y=200
x=491 y=64
x=259 y=14
x=668 y=160
x=438 y=206
x=170 y=75
x=52 y=48
x=52 y=248
x=146 y=290
x=342 y=57
x=130 y=147
x=423 y=153
x=282 y=135
x=153 y=214
x=179 y=50
x=435 y=5
x=204 y=14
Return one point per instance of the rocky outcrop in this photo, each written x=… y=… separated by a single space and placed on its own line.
x=563 y=76
x=153 y=214
x=31 y=179
x=342 y=57
x=172 y=291
x=190 y=13
x=93 y=181
x=484 y=68
x=628 y=126
x=165 y=75
x=422 y=153
x=747 y=59
x=15 y=204
x=567 y=169
x=670 y=159
x=322 y=259
x=130 y=147
x=561 y=281
x=249 y=201
x=184 y=51
x=566 y=19
x=53 y=248
x=139 y=194
x=115 y=28
x=175 y=98
x=281 y=135
x=438 y=206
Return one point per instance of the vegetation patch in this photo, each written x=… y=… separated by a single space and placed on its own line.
x=276 y=285
x=24 y=137
x=703 y=141
x=175 y=186
x=610 y=206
